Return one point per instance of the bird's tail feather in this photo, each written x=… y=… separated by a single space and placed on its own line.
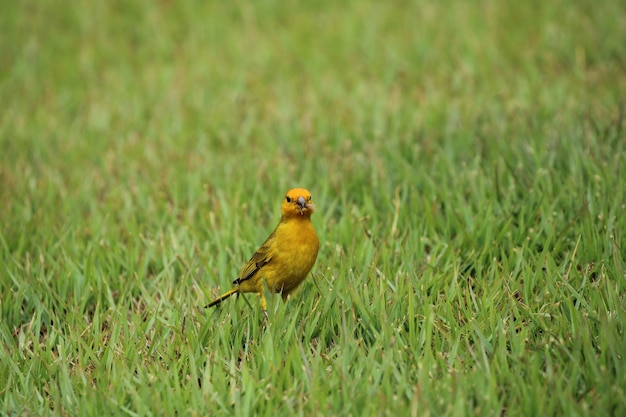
x=222 y=297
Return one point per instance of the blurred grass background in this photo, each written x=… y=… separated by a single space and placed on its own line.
x=466 y=159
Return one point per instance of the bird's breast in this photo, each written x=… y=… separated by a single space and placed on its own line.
x=297 y=248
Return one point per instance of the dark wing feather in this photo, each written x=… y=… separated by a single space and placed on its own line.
x=260 y=258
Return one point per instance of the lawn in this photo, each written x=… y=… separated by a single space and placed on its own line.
x=467 y=163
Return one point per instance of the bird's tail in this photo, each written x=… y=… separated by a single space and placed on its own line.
x=222 y=297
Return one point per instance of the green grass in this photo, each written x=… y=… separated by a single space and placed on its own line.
x=467 y=160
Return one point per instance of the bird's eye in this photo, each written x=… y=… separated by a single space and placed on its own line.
x=308 y=199
x=288 y=199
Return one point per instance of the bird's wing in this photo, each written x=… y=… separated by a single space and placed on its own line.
x=262 y=256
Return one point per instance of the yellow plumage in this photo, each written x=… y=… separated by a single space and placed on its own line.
x=287 y=255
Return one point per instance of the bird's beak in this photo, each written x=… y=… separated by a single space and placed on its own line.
x=301 y=202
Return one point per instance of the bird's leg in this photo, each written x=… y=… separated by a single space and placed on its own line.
x=264 y=304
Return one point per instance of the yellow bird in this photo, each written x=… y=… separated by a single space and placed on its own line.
x=286 y=257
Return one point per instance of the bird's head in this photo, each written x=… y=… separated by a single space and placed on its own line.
x=297 y=203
